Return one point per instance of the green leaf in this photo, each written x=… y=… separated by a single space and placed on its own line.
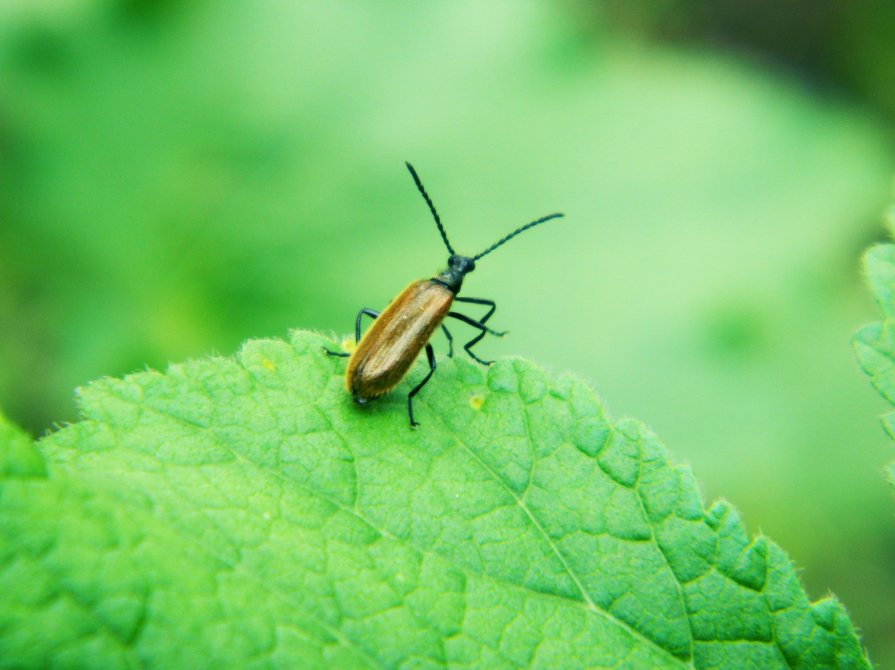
x=18 y=457
x=243 y=513
x=875 y=343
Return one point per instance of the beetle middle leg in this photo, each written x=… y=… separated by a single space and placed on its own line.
x=450 y=340
x=484 y=330
x=430 y=355
x=369 y=312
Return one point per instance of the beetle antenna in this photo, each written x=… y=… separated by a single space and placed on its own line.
x=504 y=240
x=422 y=190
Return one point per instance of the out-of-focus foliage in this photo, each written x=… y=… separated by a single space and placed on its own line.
x=173 y=181
x=836 y=44
x=875 y=343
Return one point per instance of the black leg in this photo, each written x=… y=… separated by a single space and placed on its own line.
x=450 y=340
x=368 y=312
x=478 y=338
x=483 y=328
x=476 y=324
x=430 y=354
x=479 y=301
x=474 y=341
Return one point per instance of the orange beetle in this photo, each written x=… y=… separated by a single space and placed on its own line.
x=389 y=348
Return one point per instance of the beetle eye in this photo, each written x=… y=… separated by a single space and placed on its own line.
x=460 y=263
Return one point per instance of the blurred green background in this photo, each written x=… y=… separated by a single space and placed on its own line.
x=174 y=180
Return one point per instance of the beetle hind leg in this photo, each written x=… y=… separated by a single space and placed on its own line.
x=430 y=356
x=369 y=312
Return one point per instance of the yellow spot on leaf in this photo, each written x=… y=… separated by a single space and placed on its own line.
x=269 y=364
x=476 y=400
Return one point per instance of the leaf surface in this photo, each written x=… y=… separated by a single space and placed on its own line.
x=875 y=343
x=242 y=512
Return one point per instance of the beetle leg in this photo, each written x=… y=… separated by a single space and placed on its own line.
x=368 y=312
x=484 y=330
x=477 y=324
x=430 y=355
x=474 y=341
x=479 y=301
x=450 y=340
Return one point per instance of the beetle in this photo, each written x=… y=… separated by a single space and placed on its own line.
x=399 y=333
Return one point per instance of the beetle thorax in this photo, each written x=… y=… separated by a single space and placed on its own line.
x=458 y=268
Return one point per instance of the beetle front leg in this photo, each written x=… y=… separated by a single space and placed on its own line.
x=484 y=330
x=479 y=301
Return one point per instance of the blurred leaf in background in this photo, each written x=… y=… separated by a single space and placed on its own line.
x=835 y=44
x=175 y=180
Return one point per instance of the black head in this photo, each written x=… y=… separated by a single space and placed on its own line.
x=459 y=266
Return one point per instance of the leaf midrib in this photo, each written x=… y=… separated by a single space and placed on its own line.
x=588 y=604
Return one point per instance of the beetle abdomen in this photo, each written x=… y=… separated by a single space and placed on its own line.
x=390 y=346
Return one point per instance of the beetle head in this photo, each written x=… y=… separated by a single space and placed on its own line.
x=458 y=267
x=462 y=264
